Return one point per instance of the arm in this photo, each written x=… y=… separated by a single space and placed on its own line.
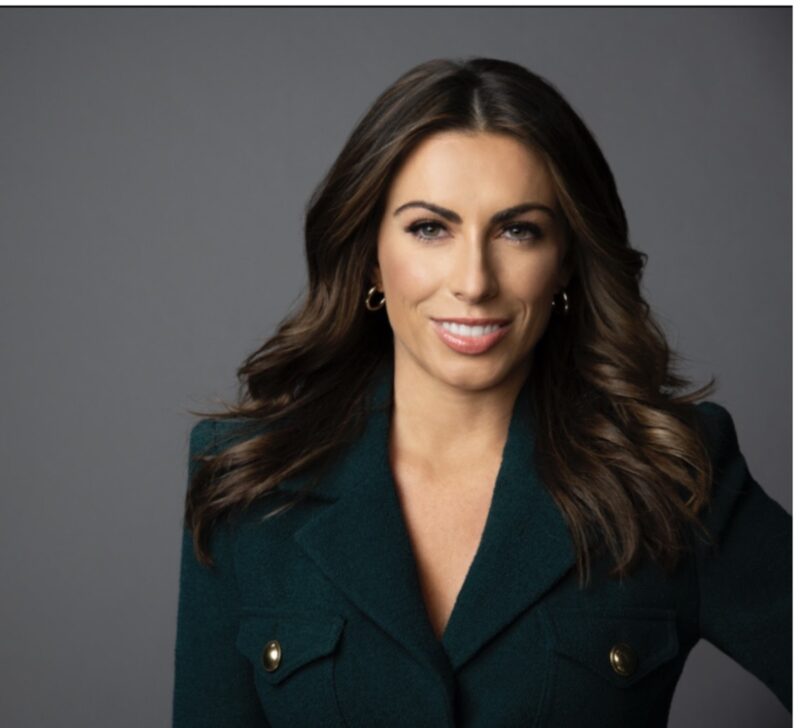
x=213 y=681
x=744 y=584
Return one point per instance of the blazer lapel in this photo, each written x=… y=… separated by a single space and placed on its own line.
x=525 y=547
x=360 y=541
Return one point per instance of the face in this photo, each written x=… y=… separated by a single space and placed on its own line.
x=451 y=246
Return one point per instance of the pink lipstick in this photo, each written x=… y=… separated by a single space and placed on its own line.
x=471 y=336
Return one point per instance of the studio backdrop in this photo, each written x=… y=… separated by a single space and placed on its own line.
x=155 y=167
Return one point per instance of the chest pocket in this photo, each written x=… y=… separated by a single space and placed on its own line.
x=293 y=663
x=606 y=666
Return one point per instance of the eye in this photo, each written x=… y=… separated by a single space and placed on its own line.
x=534 y=232
x=416 y=227
x=529 y=231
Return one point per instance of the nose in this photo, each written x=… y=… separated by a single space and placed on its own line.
x=473 y=277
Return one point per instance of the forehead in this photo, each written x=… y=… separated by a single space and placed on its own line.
x=472 y=167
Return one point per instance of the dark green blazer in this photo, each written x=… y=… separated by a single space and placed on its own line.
x=315 y=617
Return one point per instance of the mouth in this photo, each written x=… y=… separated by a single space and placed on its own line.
x=475 y=337
x=473 y=321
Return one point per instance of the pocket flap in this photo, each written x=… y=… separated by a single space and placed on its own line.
x=622 y=646
x=301 y=639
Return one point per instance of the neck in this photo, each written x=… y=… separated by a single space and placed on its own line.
x=446 y=424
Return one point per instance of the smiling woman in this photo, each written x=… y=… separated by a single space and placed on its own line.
x=463 y=484
x=497 y=264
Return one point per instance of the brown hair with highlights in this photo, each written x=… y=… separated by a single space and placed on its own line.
x=618 y=445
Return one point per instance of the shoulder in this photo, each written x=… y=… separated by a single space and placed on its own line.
x=736 y=494
x=718 y=429
x=209 y=435
x=730 y=475
x=729 y=468
x=201 y=436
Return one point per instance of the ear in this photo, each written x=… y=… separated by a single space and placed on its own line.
x=377 y=281
x=566 y=270
x=567 y=262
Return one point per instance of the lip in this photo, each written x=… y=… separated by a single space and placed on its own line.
x=474 y=321
x=471 y=344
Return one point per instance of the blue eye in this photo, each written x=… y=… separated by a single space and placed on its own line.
x=416 y=227
x=534 y=232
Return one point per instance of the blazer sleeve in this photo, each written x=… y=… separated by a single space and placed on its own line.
x=744 y=577
x=213 y=682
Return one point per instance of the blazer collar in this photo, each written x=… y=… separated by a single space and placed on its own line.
x=360 y=541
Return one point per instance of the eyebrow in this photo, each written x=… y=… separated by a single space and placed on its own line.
x=499 y=217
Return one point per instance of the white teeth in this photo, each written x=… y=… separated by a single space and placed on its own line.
x=464 y=330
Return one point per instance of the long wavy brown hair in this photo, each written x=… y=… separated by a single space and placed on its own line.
x=618 y=447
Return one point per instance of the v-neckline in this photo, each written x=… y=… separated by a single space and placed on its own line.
x=491 y=516
x=486 y=512
x=359 y=540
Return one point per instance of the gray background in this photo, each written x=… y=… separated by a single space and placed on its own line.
x=155 y=163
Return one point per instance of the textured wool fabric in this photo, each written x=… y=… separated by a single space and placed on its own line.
x=333 y=581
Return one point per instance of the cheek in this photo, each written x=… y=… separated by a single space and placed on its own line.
x=407 y=277
x=533 y=283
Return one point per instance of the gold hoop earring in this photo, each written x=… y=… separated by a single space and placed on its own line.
x=565 y=299
x=368 y=303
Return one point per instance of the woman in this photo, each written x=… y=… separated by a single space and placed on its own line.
x=461 y=486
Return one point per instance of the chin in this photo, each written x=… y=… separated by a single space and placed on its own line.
x=473 y=375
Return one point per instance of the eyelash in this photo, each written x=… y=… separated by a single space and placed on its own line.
x=532 y=228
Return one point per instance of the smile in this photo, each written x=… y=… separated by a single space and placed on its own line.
x=464 y=330
x=470 y=339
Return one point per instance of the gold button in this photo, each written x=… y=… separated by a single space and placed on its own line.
x=271 y=656
x=623 y=659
